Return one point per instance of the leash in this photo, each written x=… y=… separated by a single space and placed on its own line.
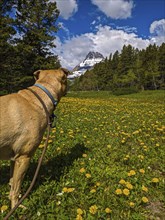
x=49 y=126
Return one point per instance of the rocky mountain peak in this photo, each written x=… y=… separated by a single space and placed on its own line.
x=93 y=55
x=88 y=63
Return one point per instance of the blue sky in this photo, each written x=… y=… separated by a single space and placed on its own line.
x=105 y=26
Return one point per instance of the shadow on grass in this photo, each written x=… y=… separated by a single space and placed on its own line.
x=53 y=169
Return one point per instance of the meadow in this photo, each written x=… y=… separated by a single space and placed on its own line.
x=105 y=160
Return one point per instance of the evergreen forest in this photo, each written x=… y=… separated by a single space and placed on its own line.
x=130 y=70
x=27 y=33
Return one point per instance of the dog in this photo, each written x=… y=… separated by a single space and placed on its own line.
x=23 y=121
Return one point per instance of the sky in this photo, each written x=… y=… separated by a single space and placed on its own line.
x=105 y=26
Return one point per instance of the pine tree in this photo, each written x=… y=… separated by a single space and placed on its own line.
x=6 y=49
x=150 y=66
x=36 y=22
x=161 y=65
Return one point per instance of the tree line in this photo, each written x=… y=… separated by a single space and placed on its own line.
x=131 y=69
x=27 y=33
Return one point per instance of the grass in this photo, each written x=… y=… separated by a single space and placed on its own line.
x=105 y=160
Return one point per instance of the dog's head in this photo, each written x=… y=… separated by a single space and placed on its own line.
x=56 y=78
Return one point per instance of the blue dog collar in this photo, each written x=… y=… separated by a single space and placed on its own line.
x=55 y=102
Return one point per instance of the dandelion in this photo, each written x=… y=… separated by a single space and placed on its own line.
x=65 y=189
x=122 y=181
x=131 y=204
x=41 y=146
x=129 y=185
x=93 y=191
x=79 y=217
x=131 y=173
x=70 y=190
x=118 y=191
x=142 y=171
x=126 y=192
x=82 y=170
x=4 y=208
x=79 y=211
x=144 y=199
x=108 y=210
x=93 y=209
x=141 y=157
x=98 y=184
x=88 y=175
x=145 y=189
x=123 y=141
x=155 y=180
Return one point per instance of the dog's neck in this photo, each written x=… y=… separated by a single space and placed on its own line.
x=44 y=96
x=43 y=88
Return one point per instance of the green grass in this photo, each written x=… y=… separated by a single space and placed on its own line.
x=105 y=160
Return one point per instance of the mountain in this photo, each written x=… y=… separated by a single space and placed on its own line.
x=88 y=63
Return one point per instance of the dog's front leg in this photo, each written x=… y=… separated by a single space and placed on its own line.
x=20 y=167
x=12 y=163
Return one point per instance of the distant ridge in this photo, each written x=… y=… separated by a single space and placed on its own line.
x=88 y=63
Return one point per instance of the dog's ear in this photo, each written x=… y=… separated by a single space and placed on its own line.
x=67 y=72
x=36 y=74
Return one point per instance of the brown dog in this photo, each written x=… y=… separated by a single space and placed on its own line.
x=23 y=122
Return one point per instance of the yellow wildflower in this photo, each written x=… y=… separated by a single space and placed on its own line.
x=155 y=180
x=131 y=173
x=84 y=155
x=70 y=189
x=79 y=217
x=93 y=209
x=126 y=192
x=122 y=182
x=141 y=157
x=88 y=175
x=145 y=189
x=118 y=191
x=82 y=170
x=132 y=204
x=144 y=199
x=65 y=189
x=4 y=208
x=79 y=211
x=142 y=171
x=41 y=146
x=98 y=184
x=129 y=185
x=93 y=191
x=108 y=210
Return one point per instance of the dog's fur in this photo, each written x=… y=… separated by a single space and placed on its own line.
x=23 y=122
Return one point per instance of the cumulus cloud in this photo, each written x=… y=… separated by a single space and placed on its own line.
x=106 y=40
x=157 y=30
x=116 y=9
x=67 y=8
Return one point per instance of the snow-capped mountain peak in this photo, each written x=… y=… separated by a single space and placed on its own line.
x=91 y=59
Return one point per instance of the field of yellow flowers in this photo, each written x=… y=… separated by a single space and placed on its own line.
x=105 y=160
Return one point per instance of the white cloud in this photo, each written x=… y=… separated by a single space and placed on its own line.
x=106 y=40
x=116 y=9
x=67 y=7
x=157 y=29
